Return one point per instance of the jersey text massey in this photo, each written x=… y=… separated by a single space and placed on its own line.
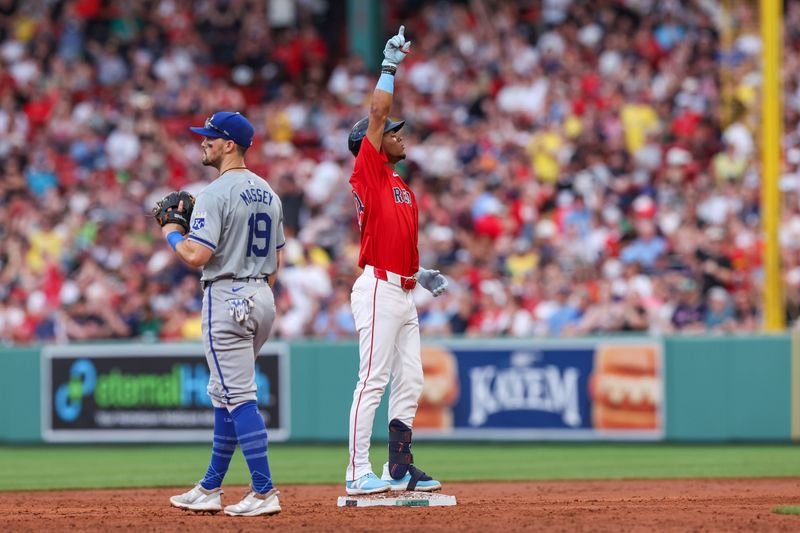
x=256 y=195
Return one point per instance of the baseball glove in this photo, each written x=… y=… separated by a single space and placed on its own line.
x=169 y=209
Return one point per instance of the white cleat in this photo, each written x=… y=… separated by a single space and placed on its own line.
x=199 y=499
x=255 y=504
x=366 y=484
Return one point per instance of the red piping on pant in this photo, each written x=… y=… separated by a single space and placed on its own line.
x=369 y=369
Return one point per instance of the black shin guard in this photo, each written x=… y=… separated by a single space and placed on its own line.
x=400 y=457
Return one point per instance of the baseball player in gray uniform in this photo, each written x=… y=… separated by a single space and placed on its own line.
x=235 y=235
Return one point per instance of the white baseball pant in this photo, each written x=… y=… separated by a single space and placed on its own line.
x=389 y=348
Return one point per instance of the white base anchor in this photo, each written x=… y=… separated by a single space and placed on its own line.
x=398 y=499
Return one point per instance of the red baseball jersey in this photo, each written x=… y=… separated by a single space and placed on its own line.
x=387 y=214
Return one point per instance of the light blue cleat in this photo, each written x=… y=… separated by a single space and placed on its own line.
x=366 y=484
x=422 y=484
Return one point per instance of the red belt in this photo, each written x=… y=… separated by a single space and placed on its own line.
x=407 y=283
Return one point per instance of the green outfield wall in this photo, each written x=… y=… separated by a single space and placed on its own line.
x=729 y=389
x=716 y=389
x=21 y=402
x=323 y=379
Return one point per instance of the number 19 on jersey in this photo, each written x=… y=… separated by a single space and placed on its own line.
x=259 y=231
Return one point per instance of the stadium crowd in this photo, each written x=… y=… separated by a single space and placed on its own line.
x=580 y=167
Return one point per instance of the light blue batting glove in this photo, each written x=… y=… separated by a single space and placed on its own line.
x=432 y=280
x=396 y=49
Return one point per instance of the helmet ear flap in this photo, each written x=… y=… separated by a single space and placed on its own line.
x=357 y=135
x=355 y=147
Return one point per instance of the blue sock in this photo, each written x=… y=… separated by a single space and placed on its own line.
x=222 y=450
x=252 y=434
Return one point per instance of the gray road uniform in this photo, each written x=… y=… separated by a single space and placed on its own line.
x=240 y=218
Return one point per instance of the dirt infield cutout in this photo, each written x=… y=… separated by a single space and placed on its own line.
x=636 y=505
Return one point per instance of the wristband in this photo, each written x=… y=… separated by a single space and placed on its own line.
x=389 y=69
x=173 y=238
x=386 y=83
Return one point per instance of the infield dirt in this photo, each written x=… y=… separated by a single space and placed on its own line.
x=639 y=505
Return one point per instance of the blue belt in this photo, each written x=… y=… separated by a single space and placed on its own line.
x=205 y=283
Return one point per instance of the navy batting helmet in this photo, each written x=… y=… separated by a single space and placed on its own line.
x=359 y=131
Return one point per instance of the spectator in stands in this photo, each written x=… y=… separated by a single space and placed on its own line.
x=647 y=248
x=689 y=313
x=719 y=312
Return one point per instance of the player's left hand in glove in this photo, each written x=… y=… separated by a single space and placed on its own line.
x=396 y=50
x=175 y=208
x=432 y=280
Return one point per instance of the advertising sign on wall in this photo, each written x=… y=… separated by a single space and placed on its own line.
x=149 y=393
x=540 y=390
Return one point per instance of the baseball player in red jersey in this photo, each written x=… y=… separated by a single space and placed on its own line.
x=383 y=308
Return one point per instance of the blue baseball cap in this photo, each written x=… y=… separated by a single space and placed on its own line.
x=228 y=125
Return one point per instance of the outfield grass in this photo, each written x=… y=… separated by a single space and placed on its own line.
x=787 y=509
x=77 y=466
